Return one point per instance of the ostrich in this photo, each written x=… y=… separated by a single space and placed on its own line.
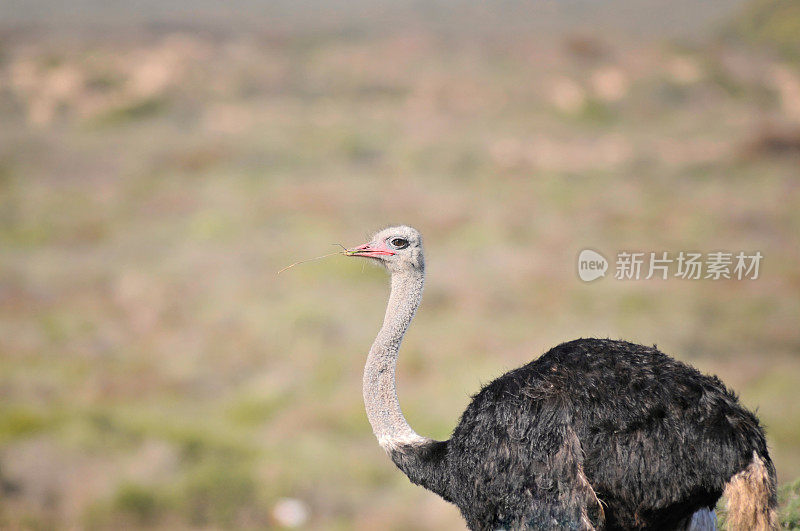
x=594 y=434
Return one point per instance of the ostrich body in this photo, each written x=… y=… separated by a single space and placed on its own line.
x=594 y=434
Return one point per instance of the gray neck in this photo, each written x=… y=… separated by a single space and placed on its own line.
x=380 y=387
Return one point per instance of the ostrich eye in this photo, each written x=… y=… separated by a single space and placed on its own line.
x=400 y=243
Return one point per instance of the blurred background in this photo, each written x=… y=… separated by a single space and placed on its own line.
x=160 y=161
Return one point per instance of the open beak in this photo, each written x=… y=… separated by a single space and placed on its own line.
x=370 y=250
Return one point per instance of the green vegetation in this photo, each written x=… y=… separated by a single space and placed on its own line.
x=129 y=112
x=138 y=501
x=20 y=422
x=774 y=23
x=789 y=496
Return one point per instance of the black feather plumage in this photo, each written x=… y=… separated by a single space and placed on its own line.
x=595 y=433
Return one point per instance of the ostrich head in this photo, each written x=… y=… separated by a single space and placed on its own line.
x=397 y=248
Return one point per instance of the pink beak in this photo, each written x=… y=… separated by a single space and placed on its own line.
x=372 y=250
